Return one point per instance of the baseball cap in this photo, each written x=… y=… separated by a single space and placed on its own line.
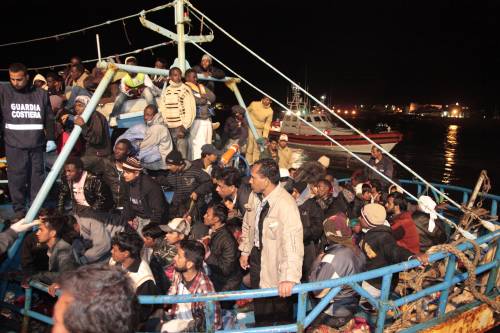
x=177 y=224
x=210 y=149
x=283 y=137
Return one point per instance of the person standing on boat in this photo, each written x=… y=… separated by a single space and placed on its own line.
x=201 y=130
x=178 y=109
x=206 y=69
x=133 y=85
x=261 y=115
x=28 y=132
x=383 y=164
x=284 y=152
x=271 y=243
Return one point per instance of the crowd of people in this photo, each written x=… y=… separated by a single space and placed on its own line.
x=158 y=212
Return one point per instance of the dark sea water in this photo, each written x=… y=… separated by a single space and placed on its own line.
x=440 y=150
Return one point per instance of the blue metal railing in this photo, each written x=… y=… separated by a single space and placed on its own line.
x=304 y=319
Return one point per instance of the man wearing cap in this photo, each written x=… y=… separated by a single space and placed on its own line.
x=284 y=152
x=271 y=151
x=340 y=258
x=133 y=85
x=207 y=69
x=236 y=128
x=146 y=202
x=380 y=247
x=209 y=156
x=271 y=243
x=95 y=133
x=189 y=183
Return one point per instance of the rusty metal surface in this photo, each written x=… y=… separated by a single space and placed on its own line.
x=479 y=319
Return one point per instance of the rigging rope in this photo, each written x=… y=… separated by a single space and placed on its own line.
x=327 y=108
x=64 y=34
x=465 y=233
x=147 y=48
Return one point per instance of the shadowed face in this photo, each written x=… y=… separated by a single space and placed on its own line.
x=18 y=80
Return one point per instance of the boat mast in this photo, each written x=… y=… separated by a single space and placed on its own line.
x=181 y=44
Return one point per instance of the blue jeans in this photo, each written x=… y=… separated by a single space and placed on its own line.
x=147 y=94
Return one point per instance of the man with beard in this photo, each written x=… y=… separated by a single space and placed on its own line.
x=189 y=279
x=111 y=170
x=402 y=225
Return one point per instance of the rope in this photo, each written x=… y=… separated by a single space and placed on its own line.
x=325 y=107
x=64 y=34
x=465 y=233
x=96 y=59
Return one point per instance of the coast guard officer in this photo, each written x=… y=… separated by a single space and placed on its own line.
x=28 y=131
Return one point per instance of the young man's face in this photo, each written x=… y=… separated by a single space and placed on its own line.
x=118 y=255
x=283 y=143
x=266 y=101
x=223 y=190
x=149 y=241
x=79 y=108
x=257 y=181
x=72 y=173
x=120 y=151
x=191 y=77
x=43 y=234
x=75 y=73
x=149 y=114
x=175 y=76
x=205 y=62
x=18 y=80
x=323 y=189
x=130 y=175
x=181 y=264
x=173 y=237
x=212 y=158
x=209 y=219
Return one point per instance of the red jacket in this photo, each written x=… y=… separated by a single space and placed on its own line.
x=405 y=232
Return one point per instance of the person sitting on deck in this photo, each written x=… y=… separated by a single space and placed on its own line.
x=60 y=253
x=146 y=202
x=201 y=130
x=431 y=229
x=107 y=286
x=95 y=133
x=126 y=253
x=111 y=170
x=190 y=279
x=363 y=197
x=222 y=256
x=380 y=247
x=159 y=80
x=157 y=143
x=403 y=228
x=176 y=230
x=86 y=191
x=271 y=151
x=133 y=85
x=329 y=204
x=189 y=184
x=236 y=128
x=341 y=258
x=209 y=157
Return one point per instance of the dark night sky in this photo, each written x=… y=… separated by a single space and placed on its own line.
x=356 y=51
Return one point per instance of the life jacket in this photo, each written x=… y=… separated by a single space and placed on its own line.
x=135 y=82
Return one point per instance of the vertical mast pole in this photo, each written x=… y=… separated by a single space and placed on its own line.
x=181 y=45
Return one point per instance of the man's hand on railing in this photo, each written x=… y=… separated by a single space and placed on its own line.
x=422 y=257
x=285 y=288
x=53 y=289
x=244 y=262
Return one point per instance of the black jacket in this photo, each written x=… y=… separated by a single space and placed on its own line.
x=96 y=135
x=60 y=260
x=427 y=238
x=183 y=183
x=223 y=261
x=96 y=192
x=381 y=249
x=27 y=117
x=233 y=130
x=312 y=218
x=150 y=204
x=113 y=178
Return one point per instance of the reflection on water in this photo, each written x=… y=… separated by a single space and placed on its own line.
x=450 y=146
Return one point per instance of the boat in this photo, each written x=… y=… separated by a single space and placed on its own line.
x=301 y=135
x=391 y=313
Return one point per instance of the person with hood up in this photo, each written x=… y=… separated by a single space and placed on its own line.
x=380 y=247
x=39 y=81
x=157 y=143
x=341 y=258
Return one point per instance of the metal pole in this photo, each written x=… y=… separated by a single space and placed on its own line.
x=181 y=45
x=450 y=272
x=98 y=47
x=383 y=302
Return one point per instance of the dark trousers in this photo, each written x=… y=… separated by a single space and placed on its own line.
x=270 y=310
x=25 y=174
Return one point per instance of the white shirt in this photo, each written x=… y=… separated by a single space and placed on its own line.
x=78 y=191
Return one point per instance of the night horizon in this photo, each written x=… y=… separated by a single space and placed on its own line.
x=364 y=53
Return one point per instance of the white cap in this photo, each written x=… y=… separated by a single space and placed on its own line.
x=283 y=137
x=284 y=173
x=324 y=161
x=179 y=225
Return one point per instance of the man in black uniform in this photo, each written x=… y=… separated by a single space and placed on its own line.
x=28 y=130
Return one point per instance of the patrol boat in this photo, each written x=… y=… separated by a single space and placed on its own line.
x=302 y=135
